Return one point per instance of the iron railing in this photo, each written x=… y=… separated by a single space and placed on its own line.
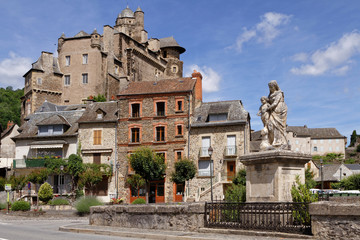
x=230 y=150
x=281 y=217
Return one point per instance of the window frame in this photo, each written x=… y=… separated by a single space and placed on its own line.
x=97 y=137
x=138 y=135
x=85 y=58
x=67 y=80
x=157 y=109
x=67 y=60
x=86 y=77
x=130 y=107
x=177 y=100
x=161 y=131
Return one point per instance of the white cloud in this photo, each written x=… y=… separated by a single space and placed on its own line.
x=336 y=58
x=265 y=31
x=211 y=79
x=300 y=57
x=12 y=69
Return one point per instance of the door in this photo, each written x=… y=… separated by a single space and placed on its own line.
x=230 y=170
x=178 y=192
x=97 y=158
x=157 y=192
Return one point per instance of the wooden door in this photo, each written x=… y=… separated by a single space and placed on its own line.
x=157 y=192
x=97 y=158
x=178 y=192
x=230 y=170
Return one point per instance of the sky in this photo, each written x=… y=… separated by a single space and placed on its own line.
x=312 y=48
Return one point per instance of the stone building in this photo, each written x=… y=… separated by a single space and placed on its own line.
x=52 y=130
x=97 y=140
x=314 y=141
x=7 y=153
x=157 y=114
x=93 y=64
x=225 y=126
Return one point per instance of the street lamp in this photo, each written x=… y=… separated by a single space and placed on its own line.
x=117 y=178
x=210 y=151
x=61 y=178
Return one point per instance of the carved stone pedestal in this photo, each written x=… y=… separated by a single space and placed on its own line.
x=271 y=174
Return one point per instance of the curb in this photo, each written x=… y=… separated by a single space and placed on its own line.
x=211 y=234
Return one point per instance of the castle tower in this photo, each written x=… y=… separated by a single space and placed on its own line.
x=95 y=39
x=170 y=50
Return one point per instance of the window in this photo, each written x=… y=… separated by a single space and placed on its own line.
x=321 y=149
x=179 y=105
x=160 y=108
x=160 y=134
x=179 y=130
x=39 y=81
x=97 y=137
x=297 y=142
x=116 y=69
x=85 y=78
x=67 y=60
x=337 y=140
x=164 y=54
x=85 y=58
x=205 y=144
x=47 y=130
x=162 y=155
x=231 y=145
x=135 y=135
x=315 y=141
x=337 y=148
x=174 y=69
x=217 y=117
x=99 y=114
x=321 y=141
x=315 y=149
x=330 y=140
x=97 y=158
x=178 y=156
x=135 y=110
x=297 y=149
x=330 y=148
x=67 y=80
x=204 y=168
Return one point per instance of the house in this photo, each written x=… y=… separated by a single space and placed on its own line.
x=225 y=126
x=97 y=141
x=7 y=151
x=333 y=173
x=51 y=130
x=157 y=114
x=314 y=141
x=89 y=64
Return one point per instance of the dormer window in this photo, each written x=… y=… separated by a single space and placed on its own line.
x=48 y=130
x=100 y=114
x=217 y=117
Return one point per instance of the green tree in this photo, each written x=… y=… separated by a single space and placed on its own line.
x=10 y=105
x=185 y=170
x=93 y=174
x=353 y=138
x=38 y=177
x=136 y=181
x=329 y=158
x=45 y=192
x=350 y=183
x=148 y=165
x=17 y=182
x=2 y=184
x=240 y=178
x=309 y=178
x=237 y=190
x=53 y=165
x=75 y=168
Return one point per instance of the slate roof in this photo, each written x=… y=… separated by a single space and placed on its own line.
x=236 y=114
x=7 y=131
x=108 y=108
x=38 y=65
x=81 y=34
x=329 y=171
x=171 y=42
x=353 y=167
x=160 y=86
x=52 y=117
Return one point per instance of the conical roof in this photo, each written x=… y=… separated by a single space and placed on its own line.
x=127 y=12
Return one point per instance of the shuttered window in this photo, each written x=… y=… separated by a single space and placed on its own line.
x=97 y=137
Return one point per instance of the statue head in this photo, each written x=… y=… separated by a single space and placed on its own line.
x=273 y=86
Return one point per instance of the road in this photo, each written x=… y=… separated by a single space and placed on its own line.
x=45 y=229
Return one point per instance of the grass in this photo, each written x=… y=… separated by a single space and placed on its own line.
x=58 y=201
x=83 y=205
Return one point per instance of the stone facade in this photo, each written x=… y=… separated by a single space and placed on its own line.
x=7 y=144
x=92 y=64
x=179 y=217
x=334 y=220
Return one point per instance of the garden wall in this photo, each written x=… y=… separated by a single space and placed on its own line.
x=179 y=217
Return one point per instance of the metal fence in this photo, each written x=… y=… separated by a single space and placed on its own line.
x=281 y=217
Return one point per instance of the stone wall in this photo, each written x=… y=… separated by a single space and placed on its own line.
x=179 y=217
x=335 y=220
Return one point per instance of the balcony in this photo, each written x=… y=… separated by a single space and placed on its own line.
x=230 y=151
x=28 y=163
x=204 y=152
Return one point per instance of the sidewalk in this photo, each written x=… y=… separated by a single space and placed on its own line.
x=159 y=234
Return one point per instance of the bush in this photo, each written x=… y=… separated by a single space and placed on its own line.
x=79 y=193
x=45 y=192
x=83 y=205
x=139 y=201
x=3 y=206
x=59 y=201
x=20 y=206
x=2 y=184
x=235 y=193
x=350 y=183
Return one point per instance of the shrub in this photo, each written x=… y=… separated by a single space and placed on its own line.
x=45 y=192
x=2 y=184
x=139 y=201
x=59 y=201
x=3 y=206
x=20 y=206
x=236 y=193
x=79 y=193
x=83 y=205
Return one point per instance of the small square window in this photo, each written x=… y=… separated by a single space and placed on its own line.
x=178 y=156
x=67 y=80
x=85 y=78
x=160 y=108
x=179 y=105
x=85 y=59
x=135 y=110
x=67 y=60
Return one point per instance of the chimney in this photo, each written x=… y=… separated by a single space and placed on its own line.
x=198 y=87
x=10 y=124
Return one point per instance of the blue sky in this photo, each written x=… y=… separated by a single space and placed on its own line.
x=312 y=48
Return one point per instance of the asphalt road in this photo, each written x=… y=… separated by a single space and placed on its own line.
x=44 y=229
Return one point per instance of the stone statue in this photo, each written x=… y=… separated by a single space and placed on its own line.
x=273 y=112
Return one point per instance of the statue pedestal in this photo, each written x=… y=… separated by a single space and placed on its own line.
x=271 y=174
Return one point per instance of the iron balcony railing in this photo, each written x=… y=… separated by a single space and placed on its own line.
x=230 y=150
x=204 y=152
x=281 y=217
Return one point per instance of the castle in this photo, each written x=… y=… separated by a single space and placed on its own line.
x=93 y=64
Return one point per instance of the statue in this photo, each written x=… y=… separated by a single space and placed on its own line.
x=273 y=112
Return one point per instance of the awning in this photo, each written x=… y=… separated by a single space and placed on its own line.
x=89 y=151
x=47 y=146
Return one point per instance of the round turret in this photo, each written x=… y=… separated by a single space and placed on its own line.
x=127 y=12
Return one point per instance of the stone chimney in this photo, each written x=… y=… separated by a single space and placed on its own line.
x=198 y=87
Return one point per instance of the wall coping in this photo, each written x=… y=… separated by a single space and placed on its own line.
x=324 y=208
x=283 y=156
